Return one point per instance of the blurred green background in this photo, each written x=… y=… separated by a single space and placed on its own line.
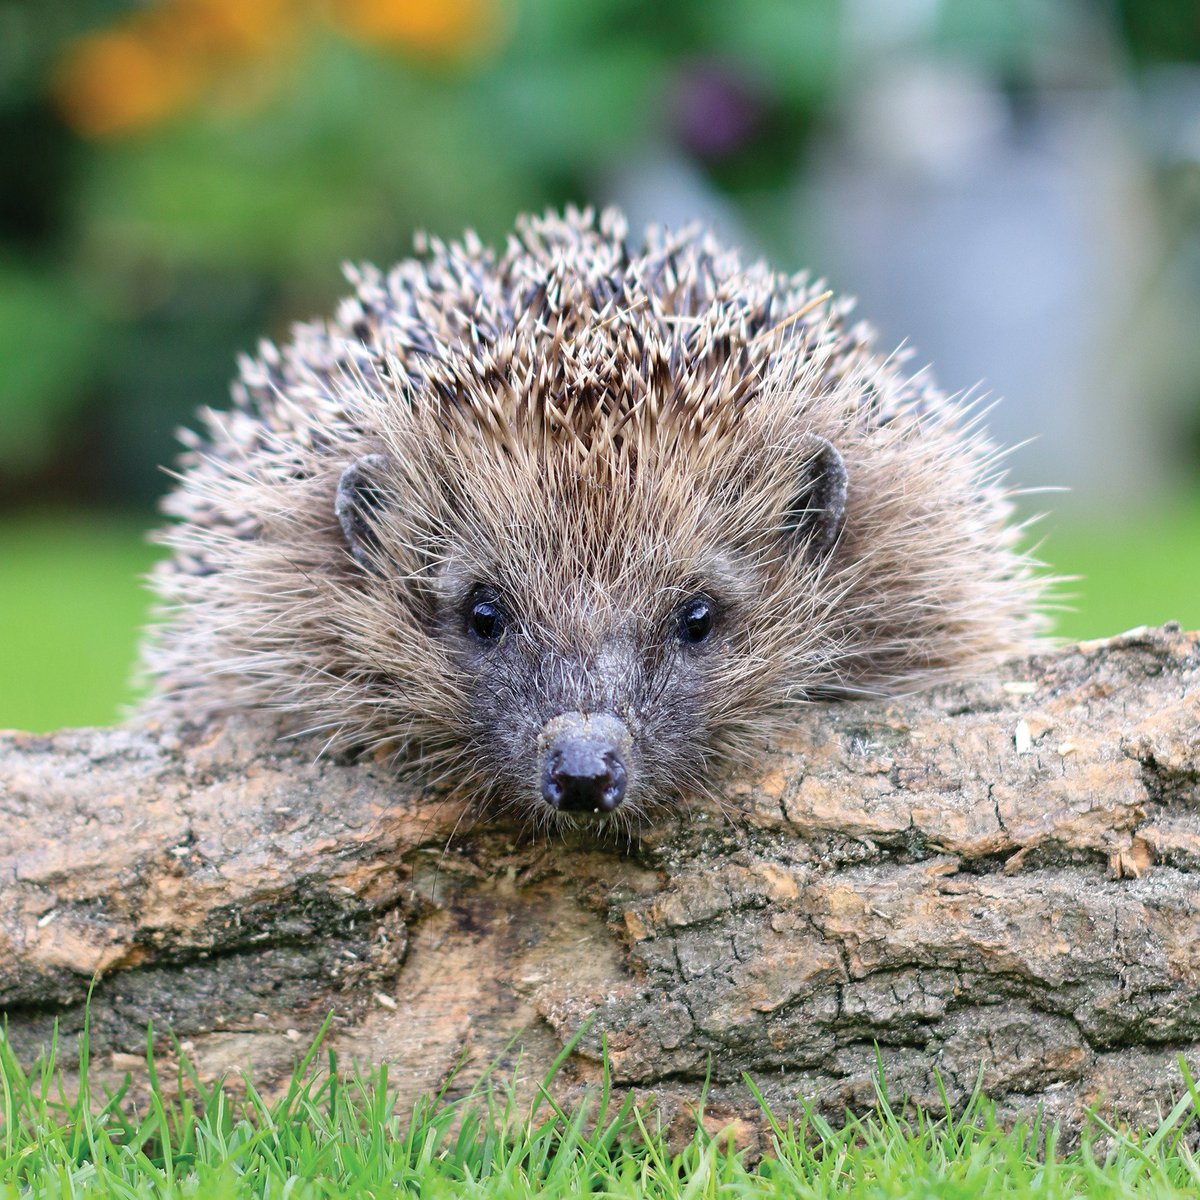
x=1014 y=185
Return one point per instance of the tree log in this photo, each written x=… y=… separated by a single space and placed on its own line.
x=1000 y=875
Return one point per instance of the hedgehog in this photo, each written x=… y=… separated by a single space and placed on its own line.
x=576 y=526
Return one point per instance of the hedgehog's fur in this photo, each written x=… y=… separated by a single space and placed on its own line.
x=595 y=435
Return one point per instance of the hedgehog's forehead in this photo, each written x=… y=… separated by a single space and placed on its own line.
x=565 y=541
x=617 y=425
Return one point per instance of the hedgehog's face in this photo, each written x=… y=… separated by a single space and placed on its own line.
x=600 y=642
x=594 y=703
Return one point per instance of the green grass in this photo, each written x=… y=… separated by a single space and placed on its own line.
x=340 y=1137
x=71 y=603
x=71 y=609
x=1142 y=570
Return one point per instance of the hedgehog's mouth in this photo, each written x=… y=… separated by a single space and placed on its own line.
x=584 y=763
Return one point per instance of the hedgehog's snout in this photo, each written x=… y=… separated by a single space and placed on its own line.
x=584 y=762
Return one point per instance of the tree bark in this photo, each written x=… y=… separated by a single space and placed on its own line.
x=1002 y=874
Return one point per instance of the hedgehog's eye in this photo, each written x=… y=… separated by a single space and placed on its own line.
x=485 y=618
x=696 y=619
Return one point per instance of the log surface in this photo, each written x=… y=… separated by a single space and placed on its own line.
x=1004 y=874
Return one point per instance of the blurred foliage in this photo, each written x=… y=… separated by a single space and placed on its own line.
x=184 y=175
x=1161 y=30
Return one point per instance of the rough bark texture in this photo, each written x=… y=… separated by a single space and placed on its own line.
x=1003 y=873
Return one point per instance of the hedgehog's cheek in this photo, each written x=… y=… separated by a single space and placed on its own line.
x=814 y=519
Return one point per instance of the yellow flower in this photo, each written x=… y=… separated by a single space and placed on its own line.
x=157 y=62
x=119 y=83
x=431 y=28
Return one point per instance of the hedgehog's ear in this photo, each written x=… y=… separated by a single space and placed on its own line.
x=817 y=512
x=358 y=504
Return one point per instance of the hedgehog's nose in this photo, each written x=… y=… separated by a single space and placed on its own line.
x=584 y=762
x=580 y=779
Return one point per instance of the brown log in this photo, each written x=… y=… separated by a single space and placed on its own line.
x=1004 y=874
